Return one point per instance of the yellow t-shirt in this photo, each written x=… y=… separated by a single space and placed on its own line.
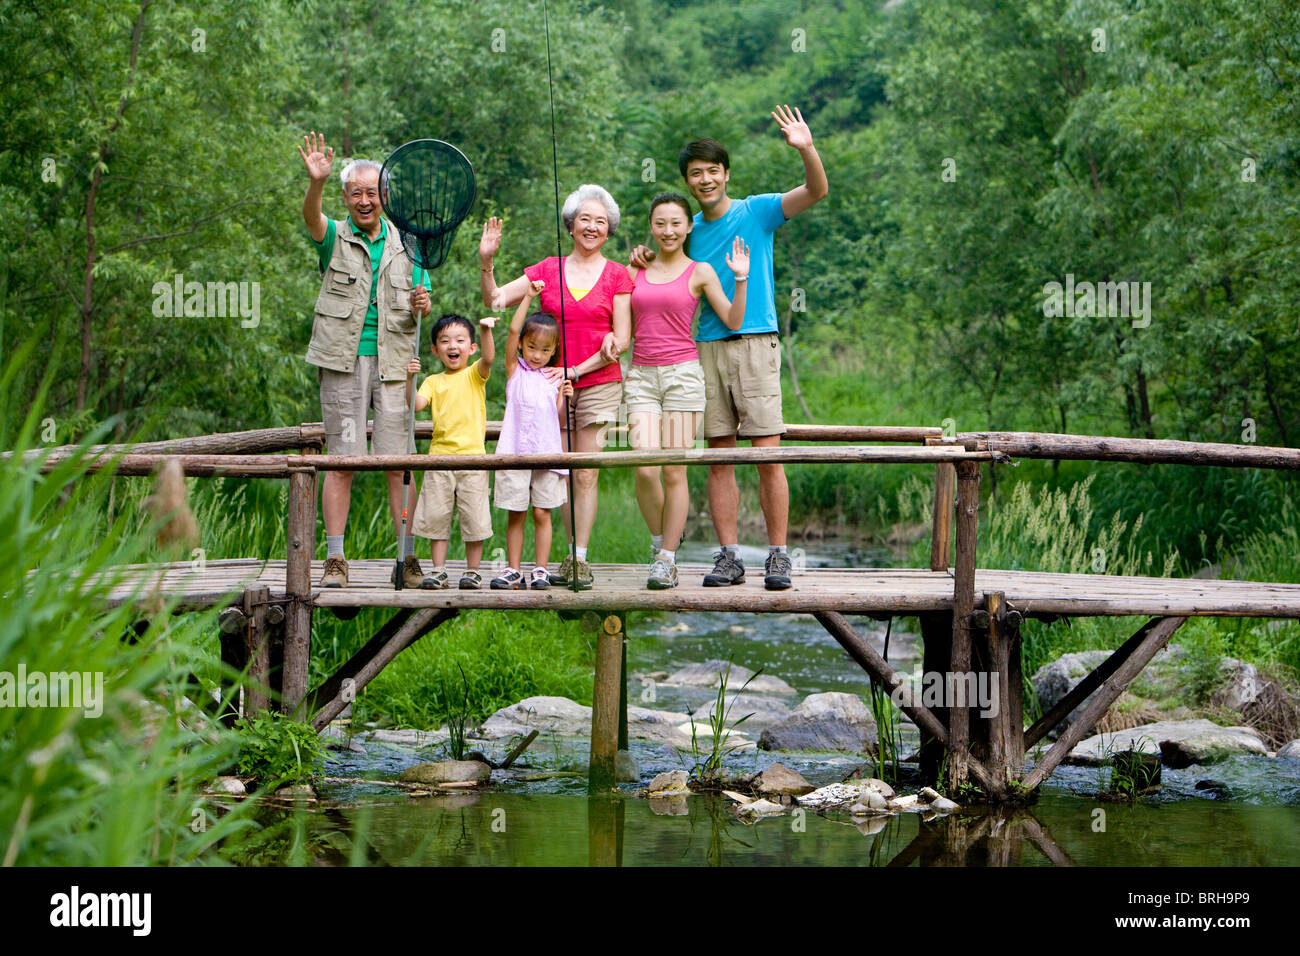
x=458 y=406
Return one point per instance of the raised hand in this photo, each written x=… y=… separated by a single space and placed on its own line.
x=316 y=157
x=797 y=133
x=535 y=288
x=738 y=257
x=491 y=241
x=487 y=322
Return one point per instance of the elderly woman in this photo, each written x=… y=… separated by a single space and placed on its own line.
x=593 y=304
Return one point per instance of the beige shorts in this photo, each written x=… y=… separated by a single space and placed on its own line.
x=596 y=404
x=348 y=398
x=446 y=491
x=742 y=385
x=540 y=488
x=665 y=388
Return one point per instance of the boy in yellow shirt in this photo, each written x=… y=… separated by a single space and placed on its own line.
x=455 y=397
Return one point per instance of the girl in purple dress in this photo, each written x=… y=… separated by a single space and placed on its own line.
x=531 y=426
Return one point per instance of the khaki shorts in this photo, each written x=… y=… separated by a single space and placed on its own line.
x=742 y=383
x=540 y=488
x=346 y=400
x=665 y=388
x=446 y=491
x=596 y=404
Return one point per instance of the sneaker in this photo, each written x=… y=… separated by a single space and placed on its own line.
x=412 y=576
x=727 y=569
x=540 y=580
x=567 y=573
x=471 y=580
x=662 y=576
x=435 y=580
x=336 y=573
x=776 y=571
x=507 y=580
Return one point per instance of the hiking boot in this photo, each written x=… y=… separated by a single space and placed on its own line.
x=336 y=573
x=507 y=580
x=541 y=581
x=471 y=580
x=663 y=575
x=412 y=576
x=568 y=573
x=435 y=580
x=727 y=569
x=776 y=571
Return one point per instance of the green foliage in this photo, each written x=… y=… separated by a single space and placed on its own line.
x=457 y=717
x=709 y=758
x=115 y=778
x=277 y=749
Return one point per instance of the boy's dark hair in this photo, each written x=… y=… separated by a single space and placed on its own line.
x=709 y=150
x=541 y=322
x=450 y=319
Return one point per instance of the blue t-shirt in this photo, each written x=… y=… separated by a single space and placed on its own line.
x=754 y=219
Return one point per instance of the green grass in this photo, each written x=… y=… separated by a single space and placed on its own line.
x=80 y=788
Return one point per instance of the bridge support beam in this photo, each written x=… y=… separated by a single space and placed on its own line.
x=608 y=706
x=301 y=538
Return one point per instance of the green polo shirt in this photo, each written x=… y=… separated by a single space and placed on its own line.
x=369 y=344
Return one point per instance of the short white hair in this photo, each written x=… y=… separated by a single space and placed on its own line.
x=356 y=166
x=580 y=196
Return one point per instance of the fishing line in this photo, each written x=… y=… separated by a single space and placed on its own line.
x=569 y=421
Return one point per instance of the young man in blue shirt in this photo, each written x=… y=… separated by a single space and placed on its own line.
x=742 y=369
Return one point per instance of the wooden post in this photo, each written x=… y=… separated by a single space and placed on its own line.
x=234 y=657
x=297 y=586
x=604 y=706
x=1006 y=731
x=622 y=685
x=257 y=649
x=941 y=534
x=1155 y=639
x=963 y=605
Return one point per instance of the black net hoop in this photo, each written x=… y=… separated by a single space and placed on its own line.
x=427 y=188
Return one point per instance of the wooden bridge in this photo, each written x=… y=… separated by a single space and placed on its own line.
x=970 y=617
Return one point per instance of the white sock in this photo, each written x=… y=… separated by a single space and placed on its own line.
x=409 y=551
x=657 y=542
x=334 y=545
x=669 y=556
x=733 y=548
x=775 y=548
x=581 y=554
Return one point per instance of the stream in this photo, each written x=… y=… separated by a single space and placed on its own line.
x=538 y=812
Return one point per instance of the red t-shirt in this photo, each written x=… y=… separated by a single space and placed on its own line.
x=586 y=321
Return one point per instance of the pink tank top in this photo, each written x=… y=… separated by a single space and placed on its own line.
x=661 y=320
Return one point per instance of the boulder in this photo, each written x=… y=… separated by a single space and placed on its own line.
x=567 y=718
x=1053 y=681
x=833 y=796
x=447 y=771
x=759 y=808
x=710 y=673
x=762 y=711
x=230 y=785
x=1240 y=685
x=669 y=783
x=944 y=805
x=626 y=769
x=416 y=739
x=875 y=784
x=1290 y=751
x=779 y=779
x=1180 y=743
x=831 y=721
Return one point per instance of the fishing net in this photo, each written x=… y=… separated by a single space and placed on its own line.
x=426 y=188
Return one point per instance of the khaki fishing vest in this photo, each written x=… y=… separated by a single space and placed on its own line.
x=345 y=296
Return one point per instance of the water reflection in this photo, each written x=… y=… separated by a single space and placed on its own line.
x=994 y=838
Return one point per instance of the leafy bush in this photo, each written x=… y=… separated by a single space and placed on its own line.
x=277 y=749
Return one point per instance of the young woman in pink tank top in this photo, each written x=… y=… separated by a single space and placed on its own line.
x=664 y=389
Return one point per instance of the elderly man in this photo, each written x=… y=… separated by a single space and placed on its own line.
x=363 y=336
